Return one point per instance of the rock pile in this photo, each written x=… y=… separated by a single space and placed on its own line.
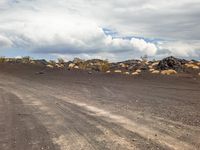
x=171 y=63
x=90 y=65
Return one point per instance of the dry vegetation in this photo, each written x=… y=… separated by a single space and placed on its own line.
x=2 y=59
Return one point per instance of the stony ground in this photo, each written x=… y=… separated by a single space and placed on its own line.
x=74 y=110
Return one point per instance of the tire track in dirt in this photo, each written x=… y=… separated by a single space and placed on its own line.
x=134 y=127
x=65 y=112
x=111 y=141
x=20 y=130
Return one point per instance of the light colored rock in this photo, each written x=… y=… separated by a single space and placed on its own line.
x=135 y=73
x=150 y=67
x=199 y=74
x=151 y=70
x=155 y=72
x=168 y=72
x=32 y=62
x=76 y=67
x=122 y=65
x=71 y=65
x=138 y=70
x=126 y=73
x=59 y=65
x=193 y=66
x=155 y=64
x=117 y=71
x=108 y=71
x=50 y=66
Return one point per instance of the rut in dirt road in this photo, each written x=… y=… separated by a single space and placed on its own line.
x=20 y=130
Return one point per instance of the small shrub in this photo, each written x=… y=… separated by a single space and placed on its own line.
x=61 y=61
x=26 y=59
x=104 y=67
x=52 y=62
x=144 y=59
x=83 y=65
x=2 y=59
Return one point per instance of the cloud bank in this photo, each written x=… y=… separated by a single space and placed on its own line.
x=77 y=28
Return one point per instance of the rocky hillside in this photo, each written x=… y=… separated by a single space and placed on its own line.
x=166 y=66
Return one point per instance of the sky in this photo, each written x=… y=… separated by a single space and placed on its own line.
x=105 y=29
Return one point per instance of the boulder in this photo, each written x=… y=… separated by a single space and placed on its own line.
x=171 y=63
x=168 y=72
x=154 y=64
x=71 y=65
x=193 y=66
x=138 y=70
x=126 y=73
x=151 y=70
x=155 y=72
x=76 y=67
x=150 y=67
x=117 y=71
x=59 y=65
x=50 y=66
x=135 y=73
x=122 y=65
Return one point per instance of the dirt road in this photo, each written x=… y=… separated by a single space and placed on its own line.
x=73 y=110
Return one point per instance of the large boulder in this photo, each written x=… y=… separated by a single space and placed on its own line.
x=171 y=63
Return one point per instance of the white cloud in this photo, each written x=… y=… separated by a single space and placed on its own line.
x=144 y=47
x=3 y=2
x=5 y=42
x=68 y=34
x=182 y=48
x=74 y=27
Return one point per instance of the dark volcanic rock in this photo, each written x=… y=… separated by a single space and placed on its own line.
x=40 y=72
x=171 y=63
